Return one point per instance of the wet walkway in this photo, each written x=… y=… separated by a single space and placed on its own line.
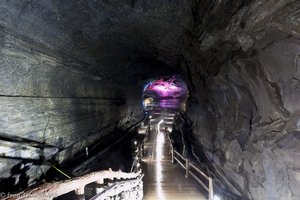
x=164 y=180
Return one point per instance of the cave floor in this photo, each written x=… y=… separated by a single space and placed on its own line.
x=164 y=180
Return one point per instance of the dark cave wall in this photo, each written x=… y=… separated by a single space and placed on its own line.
x=51 y=95
x=72 y=71
x=46 y=100
x=249 y=122
x=244 y=83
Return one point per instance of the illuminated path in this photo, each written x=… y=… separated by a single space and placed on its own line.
x=164 y=180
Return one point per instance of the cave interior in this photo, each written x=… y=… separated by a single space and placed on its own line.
x=76 y=74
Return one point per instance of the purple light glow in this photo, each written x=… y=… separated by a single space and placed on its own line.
x=171 y=87
x=171 y=103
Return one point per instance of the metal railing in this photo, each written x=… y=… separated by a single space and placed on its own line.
x=136 y=164
x=49 y=191
x=118 y=187
x=189 y=167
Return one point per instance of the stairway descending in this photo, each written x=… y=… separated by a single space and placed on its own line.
x=164 y=180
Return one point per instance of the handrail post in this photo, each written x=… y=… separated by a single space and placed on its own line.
x=148 y=132
x=172 y=154
x=140 y=152
x=187 y=168
x=79 y=192
x=211 y=189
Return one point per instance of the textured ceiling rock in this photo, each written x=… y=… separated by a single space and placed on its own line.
x=111 y=32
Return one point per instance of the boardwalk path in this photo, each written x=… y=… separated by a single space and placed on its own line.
x=164 y=180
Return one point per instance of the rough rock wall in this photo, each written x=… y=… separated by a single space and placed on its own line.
x=72 y=69
x=53 y=101
x=244 y=82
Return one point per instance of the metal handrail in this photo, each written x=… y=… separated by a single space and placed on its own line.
x=181 y=156
x=199 y=171
x=137 y=158
x=187 y=166
x=52 y=190
x=117 y=188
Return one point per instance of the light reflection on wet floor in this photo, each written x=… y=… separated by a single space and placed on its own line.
x=164 y=180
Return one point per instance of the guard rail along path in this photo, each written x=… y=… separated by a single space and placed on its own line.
x=186 y=164
x=49 y=191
